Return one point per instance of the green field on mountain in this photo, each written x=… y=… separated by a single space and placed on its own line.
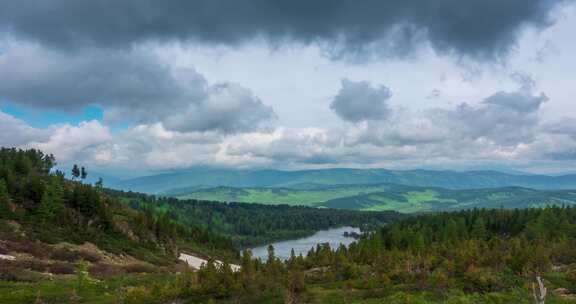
x=305 y=197
x=380 y=197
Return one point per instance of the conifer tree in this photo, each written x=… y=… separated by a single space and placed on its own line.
x=479 y=229
x=4 y=209
x=51 y=203
x=75 y=171
x=99 y=184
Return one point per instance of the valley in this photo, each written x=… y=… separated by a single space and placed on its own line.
x=66 y=241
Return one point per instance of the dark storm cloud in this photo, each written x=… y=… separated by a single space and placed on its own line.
x=360 y=101
x=130 y=86
x=479 y=29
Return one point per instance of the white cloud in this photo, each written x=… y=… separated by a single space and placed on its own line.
x=15 y=132
x=130 y=86
x=75 y=143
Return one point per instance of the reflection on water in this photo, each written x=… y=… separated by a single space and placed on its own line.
x=282 y=249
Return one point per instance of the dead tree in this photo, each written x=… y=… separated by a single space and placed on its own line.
x=540 y=293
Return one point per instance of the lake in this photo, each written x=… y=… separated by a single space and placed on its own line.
x=282 y=249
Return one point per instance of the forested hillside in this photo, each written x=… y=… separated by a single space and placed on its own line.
x=41 y=212
x=253 y=224
x=480 y=256
x=189 y=180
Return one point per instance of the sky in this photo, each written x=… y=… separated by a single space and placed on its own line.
x=139 y=86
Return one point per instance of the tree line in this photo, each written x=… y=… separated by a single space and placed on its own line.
x=253 y=224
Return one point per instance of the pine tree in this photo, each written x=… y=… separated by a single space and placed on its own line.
x=75 y=171
x=271 y=256
x=99 y=184
x=295 y=285
x=479 y=229
x=51 y=203
x=4 y=208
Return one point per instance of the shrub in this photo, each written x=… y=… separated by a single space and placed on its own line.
x=35 y=265
x=140 y=268
x=65 y=254
x=19 y=275
x=37 y=250
x=68 y=255
x=3 y=250
x=88 y=256
x=62 y=268
x=103 y=271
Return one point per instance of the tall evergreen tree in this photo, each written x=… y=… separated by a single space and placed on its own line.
x=51 y=203
x=99 y=184
x=75 y=171
x=479 y=229
x=4 y=208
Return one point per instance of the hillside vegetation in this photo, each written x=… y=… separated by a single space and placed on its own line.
x=63 y=241
x=47 y=219
x=379 y=197
x=300 y=197
x=255 y=224
x=481 y=256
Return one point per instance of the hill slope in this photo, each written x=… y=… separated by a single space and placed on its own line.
x=262 y=195
x=45 y=217
x=180 y=180
x=379 y=197
x=414 y=199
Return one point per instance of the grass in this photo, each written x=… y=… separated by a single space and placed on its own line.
x=68 y=290
x=165 y=288
x=389 y=197
x=312 y=197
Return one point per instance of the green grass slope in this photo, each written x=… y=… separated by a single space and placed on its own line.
x=381 y=197
x=304 y=197
x=412 y=199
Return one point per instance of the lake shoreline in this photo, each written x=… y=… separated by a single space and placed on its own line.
x=333 y=236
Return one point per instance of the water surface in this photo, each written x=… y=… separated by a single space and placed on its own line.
x=282 y=249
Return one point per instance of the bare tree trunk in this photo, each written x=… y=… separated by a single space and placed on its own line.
x=540 y=293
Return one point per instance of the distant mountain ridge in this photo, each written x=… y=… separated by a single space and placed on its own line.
x=303 y=179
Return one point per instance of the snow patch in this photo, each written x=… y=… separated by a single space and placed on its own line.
x=7 y=257
x=196 y=262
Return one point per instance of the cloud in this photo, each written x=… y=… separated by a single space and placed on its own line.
x=405 y=146
x=229 y=108
x=565 y=126
x=505 y=118
x=74 y=143
x=132 y=86
x=360 y=101
x=434 y=94
x=344 y=28
x=14 y=132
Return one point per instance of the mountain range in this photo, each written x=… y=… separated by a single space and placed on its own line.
x=191 y=180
